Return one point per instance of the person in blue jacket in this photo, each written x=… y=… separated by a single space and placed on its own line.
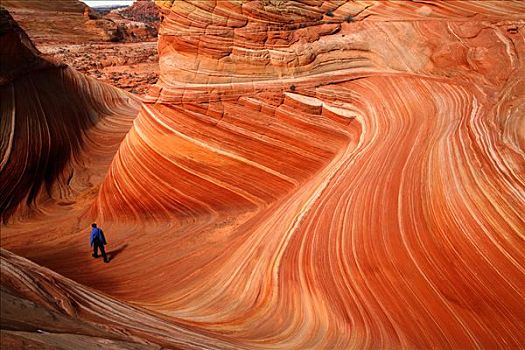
x=98 y=241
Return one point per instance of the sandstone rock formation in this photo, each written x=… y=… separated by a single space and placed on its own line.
x=142 y=11
x=129 y=66
x=140 y=21
x=62 y=21
x=59 y=128
x=310 y=174
x=43 y=310
x=71 y=32
x=73 y=22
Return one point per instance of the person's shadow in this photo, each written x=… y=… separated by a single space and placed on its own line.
x=113 y=253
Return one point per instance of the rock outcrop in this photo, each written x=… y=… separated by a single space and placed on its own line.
x=59 y=128
x=313 y=174
x=139 y=22
x=64 y=21
x=71 y=32
x=374 y=152
x=73 y=22
x=129 y=66
x=144 y=11
x=43 y=310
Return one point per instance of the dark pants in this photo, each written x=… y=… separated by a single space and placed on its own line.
x=96 y=247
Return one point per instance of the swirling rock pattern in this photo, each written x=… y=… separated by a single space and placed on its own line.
x=68 y=315
x=59 y=128
x=319 y=174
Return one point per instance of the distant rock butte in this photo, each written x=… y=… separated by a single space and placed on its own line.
x=72 y=33
x=63 y=21
x=144 y=11
x=139 y=22
x=72 y=21
x=316 y=174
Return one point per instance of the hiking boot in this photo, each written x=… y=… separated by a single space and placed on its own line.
x=106 y=260
x=95 y=256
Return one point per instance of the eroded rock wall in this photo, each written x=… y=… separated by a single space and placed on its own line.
x=317 y=174
x=58 y=127
x=374 y=151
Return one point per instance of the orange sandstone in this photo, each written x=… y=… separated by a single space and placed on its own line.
x=315 y=174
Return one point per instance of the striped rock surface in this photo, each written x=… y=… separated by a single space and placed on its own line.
x=60 y=21
x=315 y=174
x=59 y=128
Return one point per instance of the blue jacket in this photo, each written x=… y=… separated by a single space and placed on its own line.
x=97 y=235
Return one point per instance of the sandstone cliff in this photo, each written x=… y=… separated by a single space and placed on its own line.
x=58 y=127
x=311 y=174
x=65 y=21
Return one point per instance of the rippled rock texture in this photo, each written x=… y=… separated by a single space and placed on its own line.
x=59 y=128
x=314 y=174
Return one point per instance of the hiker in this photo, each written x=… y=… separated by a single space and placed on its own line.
x=98 y=241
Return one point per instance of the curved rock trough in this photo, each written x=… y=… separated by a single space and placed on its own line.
x=304 y=175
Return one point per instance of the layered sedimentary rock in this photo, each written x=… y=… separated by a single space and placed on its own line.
x=72 y=33
x=69 y=21
x=43 y=310
x=59 y=128
x=368 y=143
x=318 y=174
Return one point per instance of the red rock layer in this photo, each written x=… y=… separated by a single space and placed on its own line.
x=227 y=42
x=63 y=21
x=301 y=179
x=59 y=128
x=403 y=232
x=226 y=156
x=43 y=310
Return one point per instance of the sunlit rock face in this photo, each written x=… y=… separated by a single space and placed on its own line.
x=228 y=42
x=318 y=175
x=369 y=155
x=62 y=21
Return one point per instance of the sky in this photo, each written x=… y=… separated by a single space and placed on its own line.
x=95 y=3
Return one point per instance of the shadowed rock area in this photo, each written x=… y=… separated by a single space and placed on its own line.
x=59 y=128
x=304 y=175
